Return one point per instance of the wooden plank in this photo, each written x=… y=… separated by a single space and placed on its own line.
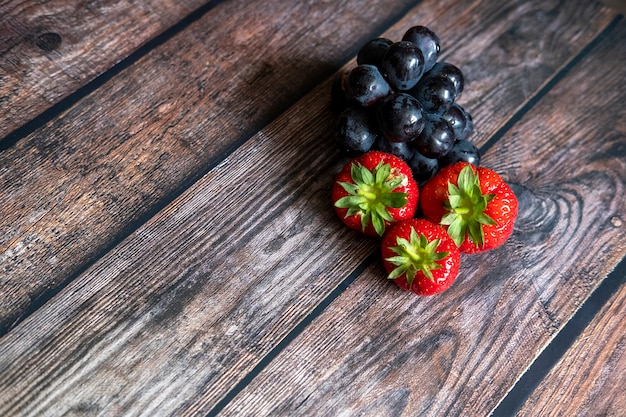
x=378 y=351
x=49 y=49
x=171 y=331
x=590 y=378
x=163 y=323
x=117 y=156
x=189 y=303
x=104 y=166
x=618 y=5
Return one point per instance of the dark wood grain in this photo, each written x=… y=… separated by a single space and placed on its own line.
x=49 y=49
x=182 y=309
x=184 y=322
x=590 y=378
x=392 y=354
x=75 y=187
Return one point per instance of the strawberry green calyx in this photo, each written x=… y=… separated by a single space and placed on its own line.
x=466 y=205
x=371 y=194
x=415 y=255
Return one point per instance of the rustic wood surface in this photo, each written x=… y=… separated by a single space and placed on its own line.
x=78 y=185
x=391 y=355
x=168 y=248
x=49 y=49
x=590 y=379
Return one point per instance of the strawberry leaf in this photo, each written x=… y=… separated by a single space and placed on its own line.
x=466 y=205
x=415 y=255
x=371 y=194
x=349 y=187
x=382 y=172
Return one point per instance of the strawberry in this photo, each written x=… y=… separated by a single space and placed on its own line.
x=474 y=204
x=374 y=190
x=420 y=256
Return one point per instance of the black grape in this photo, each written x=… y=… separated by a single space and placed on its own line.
x=457 y=117
x=400 y=149
x=373 y=51
x=435 y=93
x=451 y=72
x=427 y=41
x=365 y=85
x=403 y=65
x=469 y=127
x=356 y=130
x=436 y=139
x=463 y=150
x=423 y=168
x=400 y=117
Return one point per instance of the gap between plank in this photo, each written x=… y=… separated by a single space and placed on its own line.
x=601 y=296
x=565 y=338
x=295 y=332
x=548 y=85
x=67 y=102
x=559 y=345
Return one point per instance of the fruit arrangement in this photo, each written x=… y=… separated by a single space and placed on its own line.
x=414 y=178
x=399 y=99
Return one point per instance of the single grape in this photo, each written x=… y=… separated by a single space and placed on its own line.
x=427 y=41
x=436 y=139
x=403 y=65
x=400 y=117
x=356 y=130
x=469 y=127
x=373 y=51
x=423 y=168
x=463 y=150
x=451 y=72
x=457 y=117
x=400 y=149
x=435 y=93
x=365 y=85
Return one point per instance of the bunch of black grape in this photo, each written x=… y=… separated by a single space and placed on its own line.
x=399 y=99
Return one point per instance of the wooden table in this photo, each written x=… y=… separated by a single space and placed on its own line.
x=168 y=248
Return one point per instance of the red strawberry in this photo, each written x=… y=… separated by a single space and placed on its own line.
x=474 y=204
x=374 y=190
x=420 y=256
